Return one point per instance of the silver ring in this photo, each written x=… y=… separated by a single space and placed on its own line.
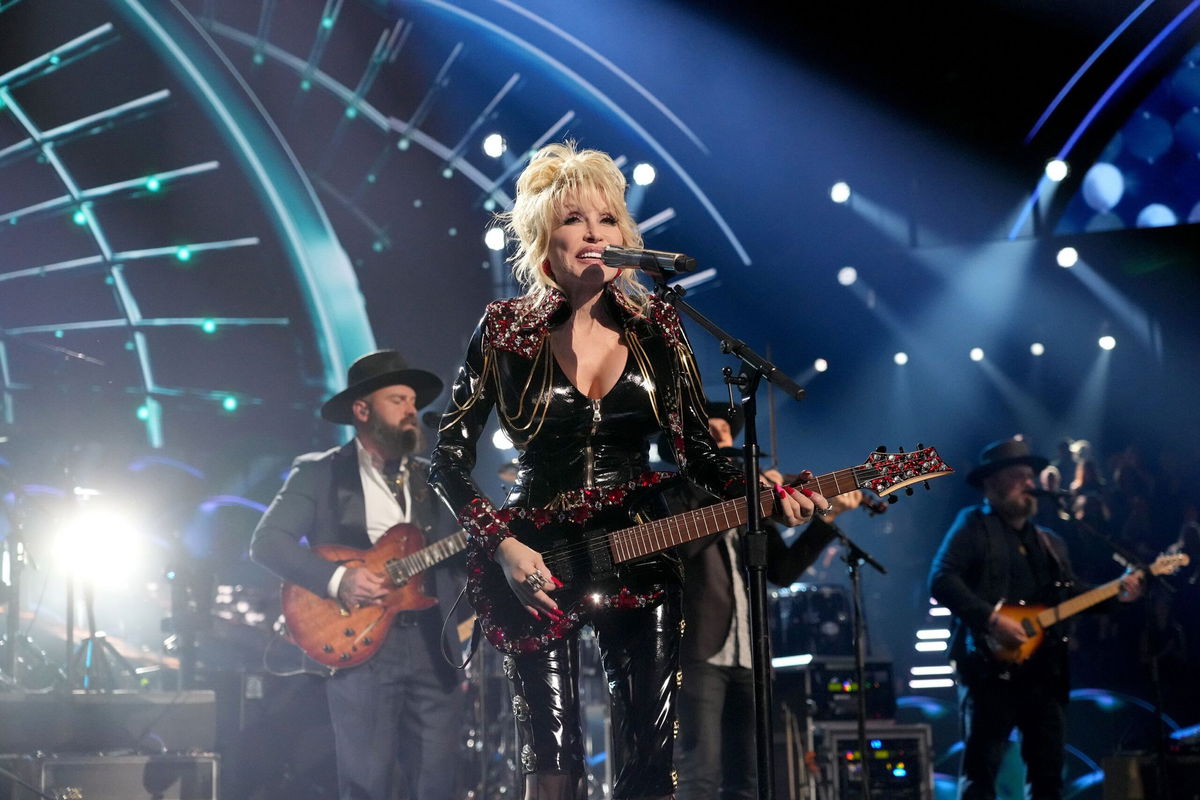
x=535 y=581
x=825 y=512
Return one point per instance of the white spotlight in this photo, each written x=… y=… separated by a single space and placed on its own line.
x=820 y=365
x=501 y=440
x=1057 y=169
x=900 y=358
x=494 y=238
x=1037 y=348
x=99 y=544
x=977 y=354
x=847 y=276
x=644 y=174
x=840 y=192
x=494 y=145
x=1107 y=342
x=1068 y=257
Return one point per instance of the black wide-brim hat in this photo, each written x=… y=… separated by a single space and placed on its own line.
x=375 y=371
x=1004 y=453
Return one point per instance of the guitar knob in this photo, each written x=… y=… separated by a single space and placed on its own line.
x=344 y=657
x=366 y=640
x=328 y=648
x=349 y=631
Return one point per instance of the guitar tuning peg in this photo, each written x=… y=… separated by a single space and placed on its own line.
x=892 y=498
x=899 y=449
x=927 y=486
x=881 y=449
x=908 y=490
x=920 y=445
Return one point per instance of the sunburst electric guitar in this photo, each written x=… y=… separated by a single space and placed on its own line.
x=587 y=545
x=1035 y=619
x=339 y=637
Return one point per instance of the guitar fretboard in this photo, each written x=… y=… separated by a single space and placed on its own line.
x=400 y=569
x=642 y=540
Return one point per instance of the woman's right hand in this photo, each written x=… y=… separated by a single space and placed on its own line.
x=519 y=562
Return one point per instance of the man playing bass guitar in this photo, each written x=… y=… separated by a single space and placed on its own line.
x=993 y=555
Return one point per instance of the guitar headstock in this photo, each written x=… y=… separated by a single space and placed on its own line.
x=1169 y=564
x=884 y=473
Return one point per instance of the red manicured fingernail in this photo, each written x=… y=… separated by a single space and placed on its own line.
x=806 y=492
x=557 y=582
x=790 y=489
x=779 y=490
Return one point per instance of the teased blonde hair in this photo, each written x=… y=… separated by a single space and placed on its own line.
x=556 y=173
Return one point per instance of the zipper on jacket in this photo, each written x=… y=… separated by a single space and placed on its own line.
x=589 y=473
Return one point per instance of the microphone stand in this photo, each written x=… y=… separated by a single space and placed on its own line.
x=855 y=557
x=754 y=368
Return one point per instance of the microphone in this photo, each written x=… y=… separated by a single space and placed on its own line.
x=656 y=262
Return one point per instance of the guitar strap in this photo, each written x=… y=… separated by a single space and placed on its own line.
x=475 y=637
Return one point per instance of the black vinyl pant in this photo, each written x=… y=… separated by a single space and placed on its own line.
x=991 y=708
x=640 y=652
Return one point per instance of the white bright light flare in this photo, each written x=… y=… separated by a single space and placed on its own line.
x=494 y=145
x=820 y=365
x=977 y=354
x=494 y=238
x=1037 y=348
x=930 y=647
x=1057 y=169
x=847 y=276
x=900 y=358
x=1068 y=257
x=99 y=545
x=1107 y=342
x=839 y=192
x=644 y=174
x=501 y=440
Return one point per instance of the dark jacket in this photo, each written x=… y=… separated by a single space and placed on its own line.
x=321 y=502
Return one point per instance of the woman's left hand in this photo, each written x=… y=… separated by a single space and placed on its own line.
x=798 y=506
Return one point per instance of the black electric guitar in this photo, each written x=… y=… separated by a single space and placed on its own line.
x=587 y=545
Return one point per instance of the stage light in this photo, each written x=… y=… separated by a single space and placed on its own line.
x=326 y=22
x=153 y=184
x=930 y=647
x=939 y=670
x=79 y=218
x=351 y=112
x=98 y=543
x=494 y=145
x=840 y=192
x=939 y=611
x=644 y=174
x=900 y=358
x=402 y=143
x=183 y=254
x=976 y=354
x=143 y=413
x=931 y=683
x=230 y=403
x=447 y=173
x=847 y=276
x=209 y=326
x=1057 y=169
x=1037 y=348
x=1068 y=257
x=501 y=441
x=1107 y=342
x=494 y=238
x=820 y=365
x=934 y=633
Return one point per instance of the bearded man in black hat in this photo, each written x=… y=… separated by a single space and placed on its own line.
x=406 y=701
x=994 y=554
x=715 y=752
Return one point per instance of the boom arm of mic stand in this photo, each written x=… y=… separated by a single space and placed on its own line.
x=752 y=360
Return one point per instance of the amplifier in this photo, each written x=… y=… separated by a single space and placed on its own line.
x=88 y=722
x=827 y=689
x=1135 y=776
x=165 y=777
x=898 y=757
